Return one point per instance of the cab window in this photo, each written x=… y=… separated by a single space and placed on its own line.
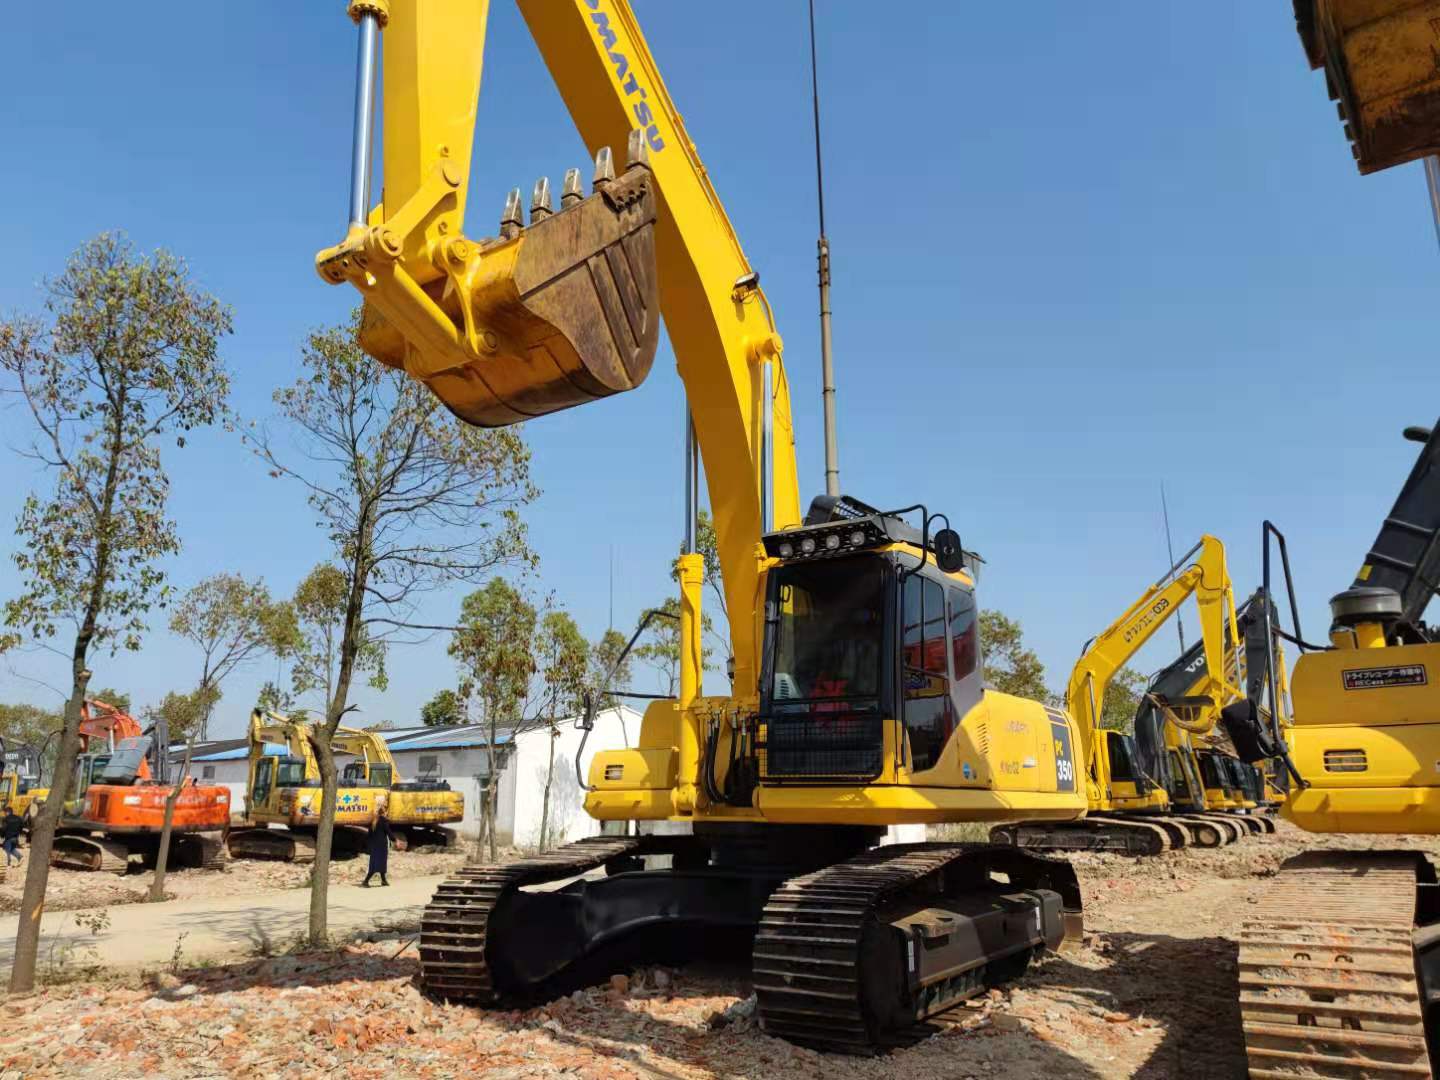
x=964 y=636
x=929 y=714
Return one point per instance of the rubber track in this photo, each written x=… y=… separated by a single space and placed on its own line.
x=74 y=852
x=279 y=844
x=212 y=853
x=807 y=955
x=1327 y=970
x=453 y=942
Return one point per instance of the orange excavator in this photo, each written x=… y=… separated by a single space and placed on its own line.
x=116 y=809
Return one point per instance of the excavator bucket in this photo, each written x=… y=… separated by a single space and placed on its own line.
x=539 y=319
x=1380 y=65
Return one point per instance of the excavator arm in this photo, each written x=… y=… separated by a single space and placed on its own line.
x=432 y=296
x=1208 y=580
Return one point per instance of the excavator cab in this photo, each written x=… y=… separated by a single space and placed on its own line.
x=367 y=774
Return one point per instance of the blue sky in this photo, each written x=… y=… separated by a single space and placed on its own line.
x=1078 y=250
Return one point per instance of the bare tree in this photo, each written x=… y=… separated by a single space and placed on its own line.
x=162 y=857
x=127 y=356
x=231 y=621
x=411 y=498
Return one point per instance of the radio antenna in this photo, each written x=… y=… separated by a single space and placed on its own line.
x=1170 y=550
x=827 y=364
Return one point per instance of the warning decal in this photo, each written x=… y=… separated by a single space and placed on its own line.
x=1376 y=678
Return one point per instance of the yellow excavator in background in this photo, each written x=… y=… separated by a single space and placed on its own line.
x=283 y=789
x=858 y=700
x=1202 y=773
x=21 y=778
x=418 y=810
x=1130 y=810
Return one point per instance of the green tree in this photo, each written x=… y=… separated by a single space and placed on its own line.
x=660 y=645
x=185 y=713
x=494 y=648
x=275 y=698
x=1122 y=698
x=319 y=606
x=564 y=656
x=411 y=498
x=231 y=621
x=1009 y=666
x=442 y=710
x=126 y=356
x=603 y=657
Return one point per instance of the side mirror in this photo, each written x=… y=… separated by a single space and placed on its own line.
x=591 y=707
x=949 y=554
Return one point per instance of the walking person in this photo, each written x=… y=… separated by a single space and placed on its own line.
x=10 y=828
x=379 y=844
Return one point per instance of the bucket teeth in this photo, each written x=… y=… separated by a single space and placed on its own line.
x=512 y=221
x=637 y=151
x=540 y=207
x=571 y=192
x=604 y=168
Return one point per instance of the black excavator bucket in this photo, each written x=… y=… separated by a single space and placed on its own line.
x=557 y=314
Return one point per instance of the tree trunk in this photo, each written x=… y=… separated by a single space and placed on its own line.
x=492 y=789
x=162 y=857
x=545 y=799
x=325 y=755
x=324 y=842
x=42 y=837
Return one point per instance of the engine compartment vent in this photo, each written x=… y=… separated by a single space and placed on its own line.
x=1345 y=761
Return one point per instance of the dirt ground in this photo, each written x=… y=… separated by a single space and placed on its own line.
x=72 y=889
x=1150 y=994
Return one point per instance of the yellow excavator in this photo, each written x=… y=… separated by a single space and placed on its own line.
x=283 y=789
x=1340 y=968
x=418 y=810
x=858 y=700
x=20 y=778
x=1130 y=809
x=1200 y=772
x=1340 y=965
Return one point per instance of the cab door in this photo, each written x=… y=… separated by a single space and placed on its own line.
x=262 y=782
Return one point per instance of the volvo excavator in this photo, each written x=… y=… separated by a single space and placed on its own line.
x=115 y=812
x=857 y=701
x=1130 y=810
x=418 y=810
x=283 y=789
